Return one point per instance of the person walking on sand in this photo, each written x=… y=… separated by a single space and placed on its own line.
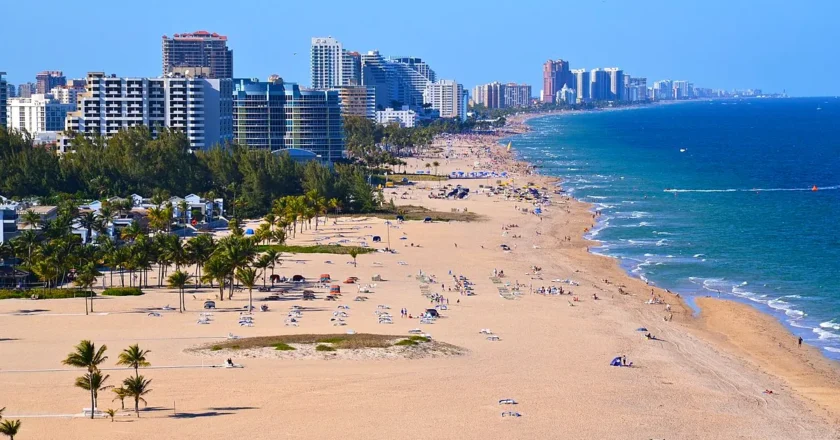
x=800 y=342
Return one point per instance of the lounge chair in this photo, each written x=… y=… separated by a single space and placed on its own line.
x=486 y=331
x=508 y=402
x=427 y=321
x=511 y=414
x=415 y=331
x=494 y=338
x=154 y=314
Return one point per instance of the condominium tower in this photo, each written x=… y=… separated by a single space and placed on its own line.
x=581 y=85
x=447 y=97
x=556 y=74
x=37 y=114
x=197 y=53
x=616 y=89
x=200 y=107
x=47 y=80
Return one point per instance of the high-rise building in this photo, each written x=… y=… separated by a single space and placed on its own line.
x=447 y=97
x=396 y=81
x=556 y=74
x=566 y=95
x=37 y=114
x=490 y=95
x=47 y=80
x=200 y=107
x=11 y=90
x=358 y=101
x=259 y=121
x=517 y=95
x=197 y=53
x=663 y=90
x=4 y=93
x=616 y=92
x=581 y=85
x=314 y=122
x=326 y=63
x=682 y=90
x=26 y=90
x=635 y=89
x=351 y=69
x=599 y=85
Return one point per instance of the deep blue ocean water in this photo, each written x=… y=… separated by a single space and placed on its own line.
x=713 y=198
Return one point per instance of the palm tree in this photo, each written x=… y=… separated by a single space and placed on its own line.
x=217 y=269
x=121 y=394
x=85 y=279
x=436 y=164
x=263 y=263
x=248 y=277
x=26 y=241
x=178 y=280
x=111 y=413
x=86 y=355
x=94 y=382
x=134 y=357
x=131 y=232
x=30 y=219
x=137 y=387
x=10 y=428
x=198 y=251
x=87 y=220
x=353 y=252
x=274 y=257
x=238 y=253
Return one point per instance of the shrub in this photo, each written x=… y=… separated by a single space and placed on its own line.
x=322 y=347
x=216 y=348
x=44 y=294
x=417 y=338
x=331 y=340
x=407 y=343
x=122 y=291
x=284 y=347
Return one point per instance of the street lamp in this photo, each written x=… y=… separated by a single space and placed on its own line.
x=388 y=226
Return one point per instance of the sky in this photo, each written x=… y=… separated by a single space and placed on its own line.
x=773 y=45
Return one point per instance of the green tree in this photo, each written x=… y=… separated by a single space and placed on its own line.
x=134 y=357
x=86 y=355
x=353 y=252
x=10 y=428
x=93 y=382
x=121 y=394
x=248 y=277
x=136 y=387
x=178 y=280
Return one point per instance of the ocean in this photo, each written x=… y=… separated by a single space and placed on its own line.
x=713 y=198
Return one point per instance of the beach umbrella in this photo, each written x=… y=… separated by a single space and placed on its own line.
x=641 y=329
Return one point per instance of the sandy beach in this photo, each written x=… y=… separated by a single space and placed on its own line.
x=702 y=377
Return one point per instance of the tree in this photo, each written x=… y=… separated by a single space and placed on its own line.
x=134 y=357
x=178 y=280
x=248 y=277
x=111 y=413
x=86 y=355
x=30 y=219
x=10 y=428
x=353 y=252
x=121 y=394
x=93 y=382
x=237 y=253
x=136 y=387
x=217 y=269
x=264 y=262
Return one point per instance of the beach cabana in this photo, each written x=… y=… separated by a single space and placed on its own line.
x=298 y=279
x=325 y=278
x=377 y=239
x=376 y=277
x=427 y=220
x=335 y=289
x=249 y=231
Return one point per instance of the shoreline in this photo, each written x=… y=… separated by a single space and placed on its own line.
x=761 y=339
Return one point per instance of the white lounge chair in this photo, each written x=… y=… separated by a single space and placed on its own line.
x=494 y=338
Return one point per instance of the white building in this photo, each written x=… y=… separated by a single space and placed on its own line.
x=201 y=108
x=581 y=83
x=66 y=94
x=663 y=90
x=405 y=117
x=37 y=114
x=682 y=90
x=566 y=95
x=447 y=97
x=326 y=63
x=616 y=81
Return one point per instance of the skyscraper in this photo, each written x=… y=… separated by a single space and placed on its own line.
x=4 y=91
x=635 y=89
x=581 y=85
x=326 y=63
x=599 y=85
x=46 y=80
x=396 y=81
x=351 y=68
x=447 y=97
x=201 y=53
x=616 y=89
x=490 y=95
x=26 y=90
x=358 y=101
x=556 y=74
x=517 y=95
x=663 y=90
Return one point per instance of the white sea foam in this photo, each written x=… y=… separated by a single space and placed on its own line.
x=698 y=255
x=832 y=349
x=731 y=190
x=824 y=334
x=830 y=324
x=662 y=242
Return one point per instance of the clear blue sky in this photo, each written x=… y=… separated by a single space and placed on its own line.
x=767 y=44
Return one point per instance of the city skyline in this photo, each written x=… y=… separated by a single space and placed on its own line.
x=745 y=56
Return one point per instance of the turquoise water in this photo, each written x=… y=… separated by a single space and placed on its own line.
x=732 y=214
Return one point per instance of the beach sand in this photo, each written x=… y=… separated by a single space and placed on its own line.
x=701 y=378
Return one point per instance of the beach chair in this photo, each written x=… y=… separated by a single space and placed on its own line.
x=154 y=314
x=511 y=414
x=486 y=331
x=508 y=402
x=494 y=338
x=415 y=331
x=427 y=321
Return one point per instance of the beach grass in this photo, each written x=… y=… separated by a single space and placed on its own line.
x=122 y=291
x=336 y=341
x=407 y=343
x=322 y=347
x=282 y=346
x=44 y=294
x=414 y=212
x=415 y=177
x=315 y=249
